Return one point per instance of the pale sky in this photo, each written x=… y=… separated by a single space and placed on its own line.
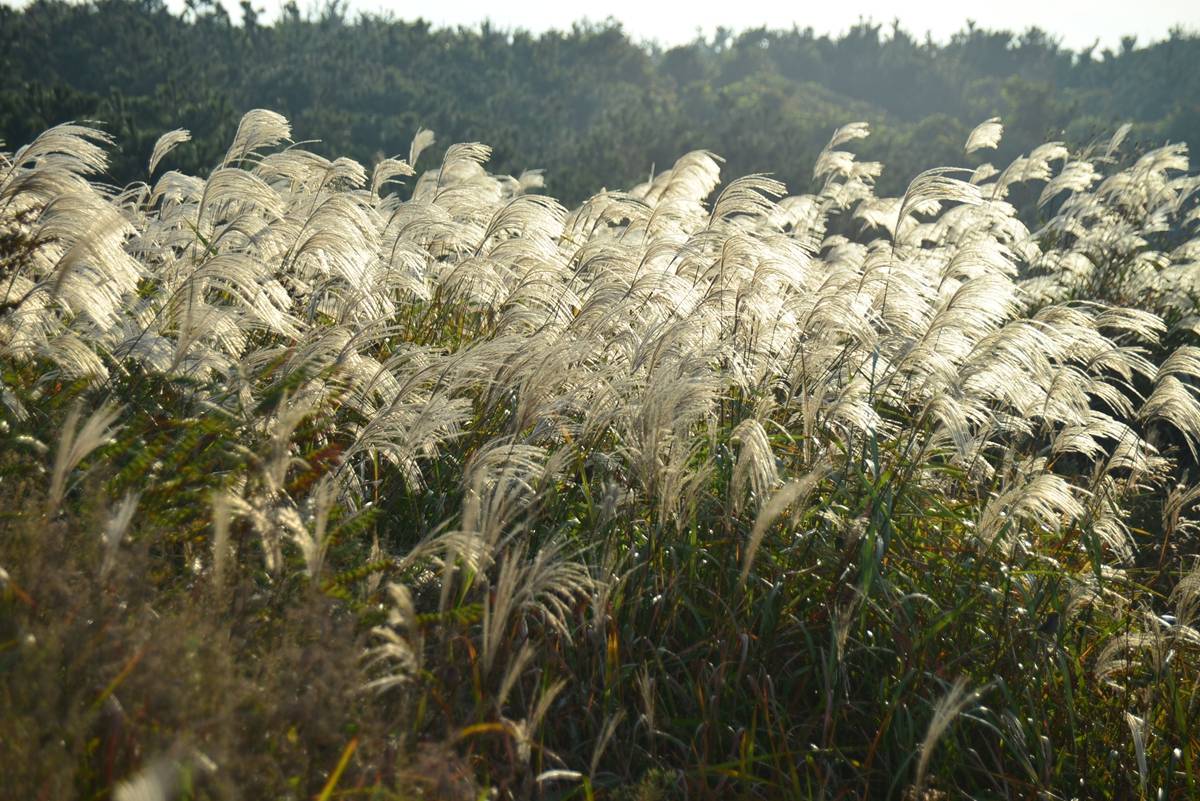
x=1075 y=22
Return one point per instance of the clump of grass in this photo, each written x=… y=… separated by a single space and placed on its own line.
x=319 y=492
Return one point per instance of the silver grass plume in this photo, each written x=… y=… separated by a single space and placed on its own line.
x=115 y=529
x=420 y=141
x=957 y=699
x=794 y=494
x=165 y=144
x=1114 y=144
x=986 y=135
x=754 y=471
x=257 y=129
x=74 y=445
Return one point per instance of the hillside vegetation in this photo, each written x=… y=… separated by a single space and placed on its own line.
x=589 y=105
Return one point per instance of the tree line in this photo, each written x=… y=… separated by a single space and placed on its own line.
x=590 y=105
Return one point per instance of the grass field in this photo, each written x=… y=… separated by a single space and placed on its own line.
x=321 y=482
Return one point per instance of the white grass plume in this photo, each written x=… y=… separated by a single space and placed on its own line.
x=421 y=140
x=115 y=529
x=795 y=494
x=165 y=144
x=257 y=129
x=74 y=445
x=986 y=135
x=957 y=699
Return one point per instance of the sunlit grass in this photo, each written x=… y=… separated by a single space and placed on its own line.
x=311 y=491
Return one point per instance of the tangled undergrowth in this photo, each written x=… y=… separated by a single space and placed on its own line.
x=327 y=484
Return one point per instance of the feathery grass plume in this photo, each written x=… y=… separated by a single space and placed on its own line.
x=1034 y=167
x=258 y=128
x=504 y=466
x=849 y=132
x=386 y=171
x=74 y=444
x=413 y=427
x=421 y=140
x=532 y=179
x=157 y=781
x=937 y=185
x=512 y=673
x=749 y=195
x=314 y=543
x=115 y=529
x=1172 y=402
x=957 y=699
x=1140 y=650
x=1178 y=500
x=794 y=493
x=1118 y=137
x=396 y=656
x=525 y=729
x=166 y=776
x=165 y=144
x=680 y=189
x=230 y=191
x=462 y=160
x=90 y=274
x=1076 y=176
x=1183 y=361
x=986 y=135
x=558 y=775
x=832 y=164
x=606 y=734
x=1185 y=595
x=544 y=585
x=74 y=358
x=270 y=521
x=754 y=471
x=1041 y=498
x=982 y=173
x=1137 y=728
x=81 y=150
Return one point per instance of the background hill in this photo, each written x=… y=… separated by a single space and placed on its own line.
x=590 y=106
